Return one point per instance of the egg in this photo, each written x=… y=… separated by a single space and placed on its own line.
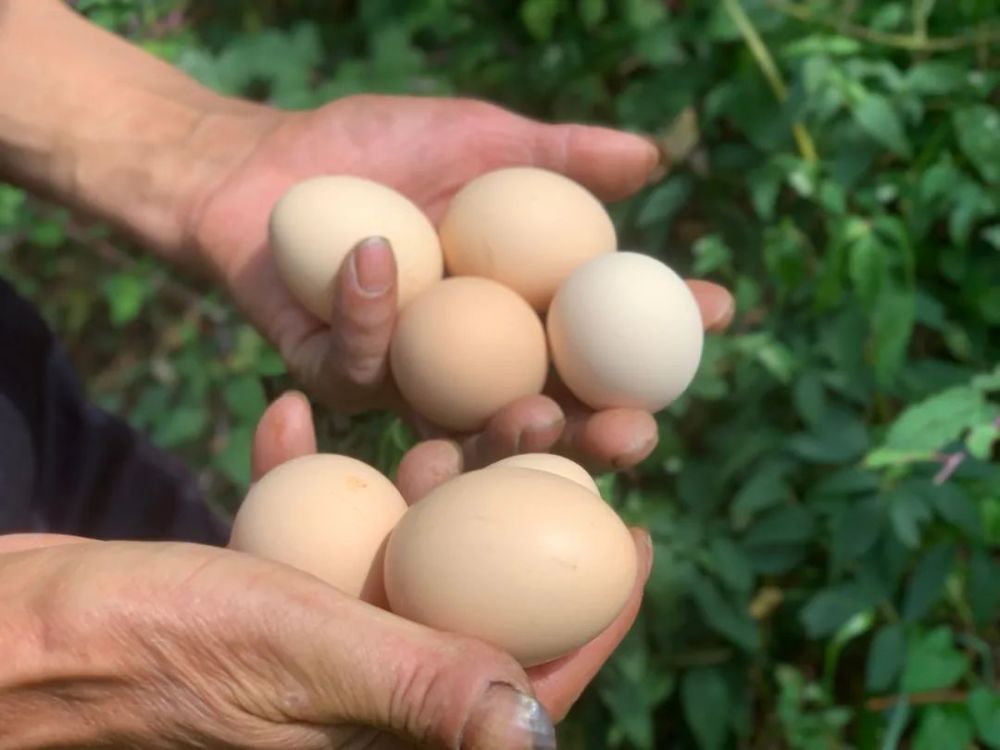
x=625 y=331
x=523 y=559
x=525 y=227
x=464 y=348
x=325 y=514
x=316 y=224
x=553 y=464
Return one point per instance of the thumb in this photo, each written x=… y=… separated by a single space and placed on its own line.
x=611 y=163
x=363 y=666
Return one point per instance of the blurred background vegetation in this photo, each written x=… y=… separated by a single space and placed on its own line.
x=825 y=502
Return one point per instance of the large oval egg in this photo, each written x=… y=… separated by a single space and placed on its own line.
x=625 y=331
x=528 y=228
x=528 y=561
x=465 y=348
x=316 y=224
x=325 y=514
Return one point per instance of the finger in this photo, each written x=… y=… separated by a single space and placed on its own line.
x=715 y=302
x=560 y=683
x=285 y=431
x=352 y=663
x=425 y=466
x=611 y=163
x=531 y=424
x=21 y=542
x=364 y=313
x=610 y=439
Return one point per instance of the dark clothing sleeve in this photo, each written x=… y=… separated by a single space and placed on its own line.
x=68 y=467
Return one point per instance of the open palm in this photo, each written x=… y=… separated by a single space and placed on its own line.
x=427 y=149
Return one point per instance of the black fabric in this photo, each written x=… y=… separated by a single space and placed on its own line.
x=68 y=467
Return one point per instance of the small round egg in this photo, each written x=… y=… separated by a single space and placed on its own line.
x=558 y=465
x=325 y=514
x=625 y=331
x=523 y=559
x=316 y=224
x=528 y=228
x=466 y=347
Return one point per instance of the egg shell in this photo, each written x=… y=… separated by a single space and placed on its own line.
x=558 y=465
x=465 y=348
x=625 y=331
x=528 y=228
x=523 y=559
x=325 y=514
x=317 y=222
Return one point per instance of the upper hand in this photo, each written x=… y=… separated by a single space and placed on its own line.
x=427 y=149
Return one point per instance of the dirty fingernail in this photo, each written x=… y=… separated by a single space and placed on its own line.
x=508 y=718
x=373 y=266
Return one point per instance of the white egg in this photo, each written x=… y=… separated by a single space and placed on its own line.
x=625 y=331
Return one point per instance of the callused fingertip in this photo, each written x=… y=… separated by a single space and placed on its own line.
x=373 y=266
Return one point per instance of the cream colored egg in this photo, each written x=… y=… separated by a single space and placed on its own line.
x=325 y=514
x=558 y=465
x=465 y=348
x=528 y=228
x=526 y=560
x=316 y=224
x=625 y=331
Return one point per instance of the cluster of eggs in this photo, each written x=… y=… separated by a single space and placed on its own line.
x=525 y=553
x=533 y=273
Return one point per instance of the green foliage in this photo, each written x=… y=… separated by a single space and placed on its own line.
x=824 y=501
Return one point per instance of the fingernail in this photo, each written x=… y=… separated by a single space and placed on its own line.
x=507 y=718
x=722 y=315
x=662 y=164
x=637 y=450
x=373 y=266
x=647 y=543
x=538 y=438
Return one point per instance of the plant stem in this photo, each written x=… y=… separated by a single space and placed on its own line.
x=765 y=61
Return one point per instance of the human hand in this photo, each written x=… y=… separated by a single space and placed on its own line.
x=176 y=645
x=428 y=149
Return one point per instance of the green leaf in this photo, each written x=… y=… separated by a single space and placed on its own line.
x=591 y=12
x=951 y=502
x=856 y=529
x=981 y=439
x=943 y=728
x=706 y=701
x=868 y=266
x=828 y=609
x=928 y=581
x=180 y=425
x=893 y=321
x=539 y=17
x=879 y=118
x=765 y=489
x=245 y=397
x=234 y=458
x=47 y=233
x=125 y=294
x=908 y=512
x=885 y=657
x=978 y=130
x=730 y=565
x=984 y=587
x=936 y=77
x=711 y=253
x=939 y=420
x=809 y=396
x=664 y=201
x=789 y=525
x=984 y=705
x=840 y=438
x=720 y=615
x=643 y=14
x=933 y=662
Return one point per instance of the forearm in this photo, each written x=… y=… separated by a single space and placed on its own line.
x=103 y=127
